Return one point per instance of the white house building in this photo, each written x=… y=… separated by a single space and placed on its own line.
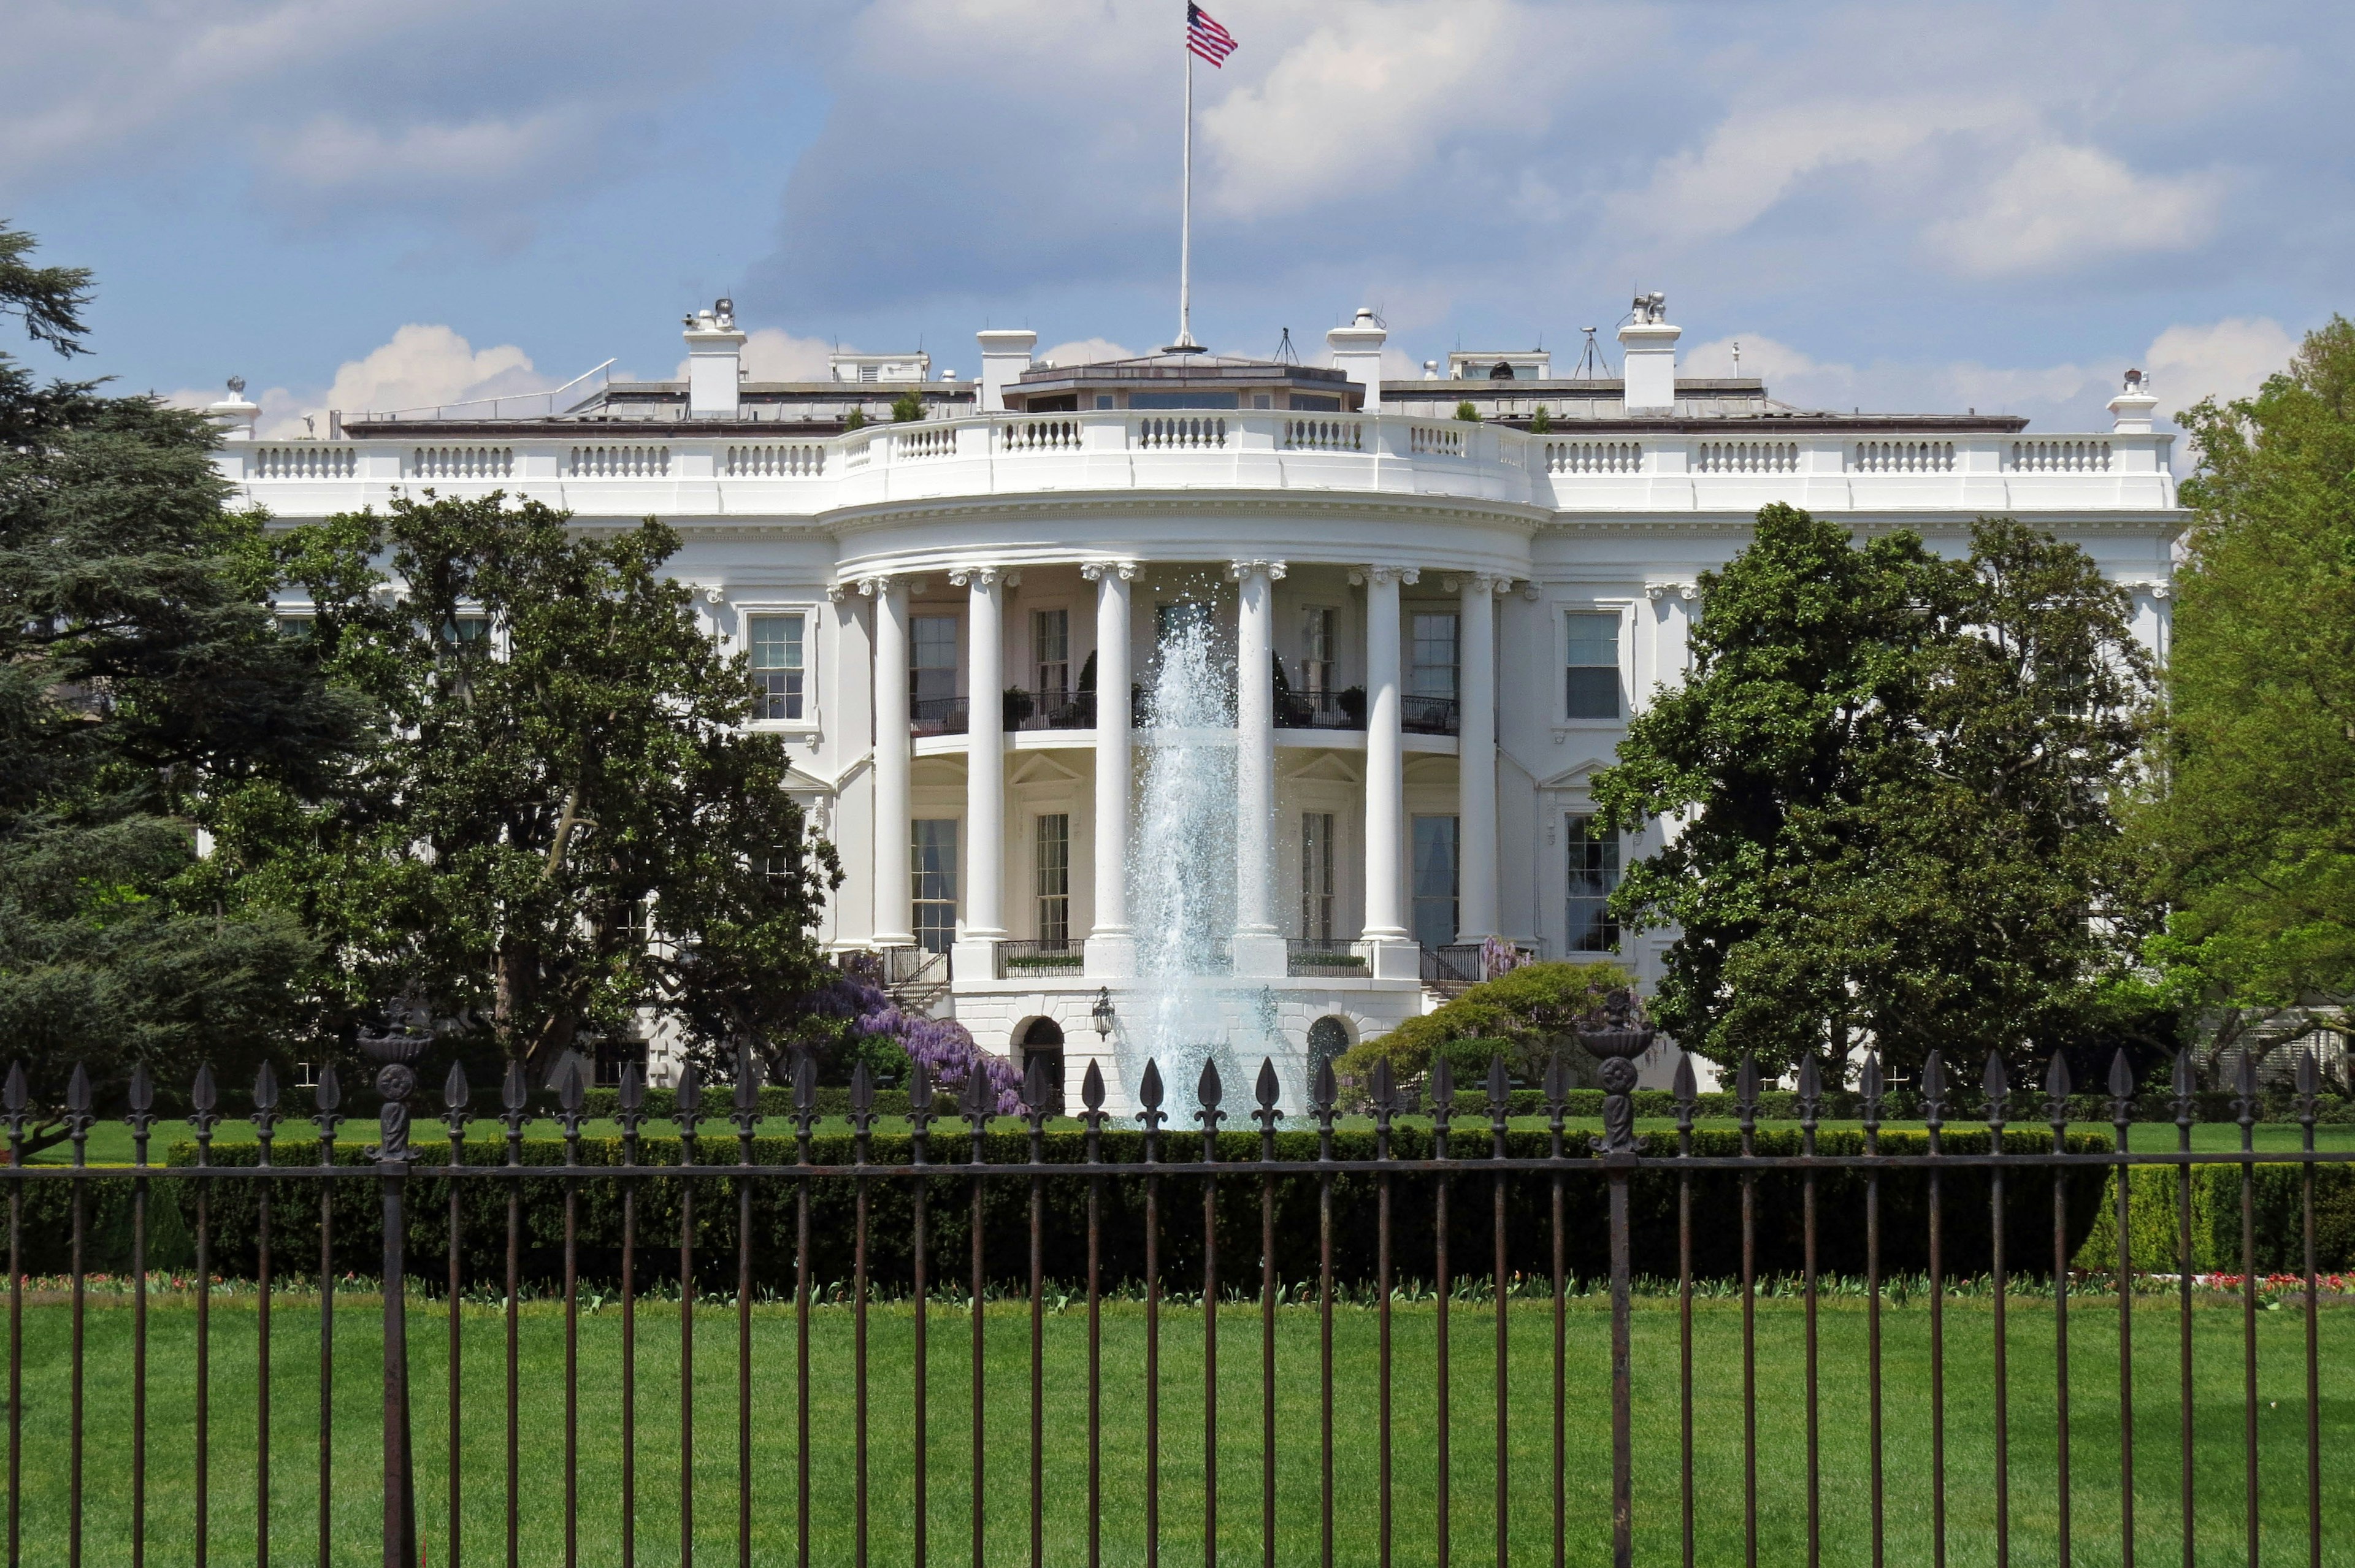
x=1439 y=627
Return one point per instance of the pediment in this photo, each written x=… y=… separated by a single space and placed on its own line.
x=1578 y=777
x=1043 y=768
x=1325 y=767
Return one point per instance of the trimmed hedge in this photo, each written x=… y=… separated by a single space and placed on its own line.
x=1716 y=1206
x=2277 y=1194
x=1472 y=1104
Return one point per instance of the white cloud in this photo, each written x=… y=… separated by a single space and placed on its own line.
x=771 y=355
x=1086 y=351
x=1757 y=156
x=421 y=367
x=331 y=152
x=2229 y=359
x=2058 y=207
x=1354 y=107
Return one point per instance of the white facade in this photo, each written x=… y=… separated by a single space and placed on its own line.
x=1465 y=614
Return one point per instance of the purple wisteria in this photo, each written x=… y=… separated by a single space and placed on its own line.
x=945 y=1046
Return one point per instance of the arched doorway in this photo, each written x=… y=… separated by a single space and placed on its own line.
x=1044 y=1039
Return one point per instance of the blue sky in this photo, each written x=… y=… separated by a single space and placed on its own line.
x=379 y=203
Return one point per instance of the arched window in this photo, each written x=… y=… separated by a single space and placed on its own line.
x=1327 y=1038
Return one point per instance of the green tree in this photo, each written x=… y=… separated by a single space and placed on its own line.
x=908 y=406
x=1889 y=784
x=142 y=683
x=565 y=819
x=2254 y=835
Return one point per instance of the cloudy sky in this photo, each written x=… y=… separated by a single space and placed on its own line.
x=382 y=203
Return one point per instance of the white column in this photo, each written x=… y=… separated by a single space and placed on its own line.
x=894 y=919
x=1390 y=951
x=1111 y=952
x=985 y=771
x=1476 y=760
x=1259 y=948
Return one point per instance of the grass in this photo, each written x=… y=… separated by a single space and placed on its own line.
x=1782 y=1448
x=110 y=1142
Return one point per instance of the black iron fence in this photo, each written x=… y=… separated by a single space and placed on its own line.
x=1201 y=1223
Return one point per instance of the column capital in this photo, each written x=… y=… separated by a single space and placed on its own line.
x=1369 y=574
x=876 y=586
x=1097 y=570
x=1657 y=591
x=1239 y=569
x=1479 y=581
x=987 y=576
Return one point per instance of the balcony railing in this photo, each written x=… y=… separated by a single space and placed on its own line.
x=937 y=715
x=1050 y=710
x=1321 y=709
x=1309 y=956
x=1459 y=963
x=1017 y=960
x=1427 y=715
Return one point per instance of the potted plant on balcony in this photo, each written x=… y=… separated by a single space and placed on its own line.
x=1017 y=707
x=1353 y=703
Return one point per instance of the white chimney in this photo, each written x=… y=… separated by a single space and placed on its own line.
x=2132 y=407
x=1648 y=344
x=1358 y=354
x=714 y=362
x=233 y=413
x=1004 y=355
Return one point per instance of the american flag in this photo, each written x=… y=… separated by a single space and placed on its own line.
x=1206 y=38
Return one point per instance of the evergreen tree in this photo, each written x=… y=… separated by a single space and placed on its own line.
x=142 y=681
x=1888 y=783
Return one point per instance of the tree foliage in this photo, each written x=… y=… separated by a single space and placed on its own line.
x=140 y=683
x=564 y=819
x=1888 y=786
x=2253 y=838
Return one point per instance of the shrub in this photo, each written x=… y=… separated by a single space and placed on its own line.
x=1540 y=422
x=1467 y=413
x=1532 y=1009
x=908 y=406
x=2276 y=1194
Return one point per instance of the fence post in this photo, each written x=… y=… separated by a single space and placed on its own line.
x=1621 y=1039
x=396 y=1081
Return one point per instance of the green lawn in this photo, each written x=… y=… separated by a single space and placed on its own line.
x=110 y=1141
x=1782 y=1473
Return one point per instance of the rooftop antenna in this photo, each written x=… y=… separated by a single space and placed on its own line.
x=1592 y=366
x=1286 y=354
x=1737 y=358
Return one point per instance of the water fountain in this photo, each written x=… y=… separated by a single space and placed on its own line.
x=1185 y=1010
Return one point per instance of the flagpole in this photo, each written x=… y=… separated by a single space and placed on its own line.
x=1186 y=217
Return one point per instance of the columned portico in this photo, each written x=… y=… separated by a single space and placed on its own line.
x=1475 y=763
x=1111 y=950
x=894 y=918
x=985 y=786
x=1258 y=946
x=1390 y=952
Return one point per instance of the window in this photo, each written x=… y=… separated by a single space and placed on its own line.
x=1051 y=649
x=777 y=666
x=1593 y=873
x=1316 y=643
x=933 y=868
x=295 y=626
x=1434 y=671
x=1592 y=677
x=1054 y=873
x=1316 y=876
x=463 y=629
x=1434 y=881
x=1044 y=1040
x=933 y=665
